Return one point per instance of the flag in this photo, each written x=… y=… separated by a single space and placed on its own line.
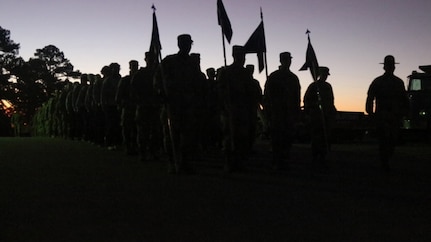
x=155 y=45
x=223 y=21
x=311 y=60
x=257 y=44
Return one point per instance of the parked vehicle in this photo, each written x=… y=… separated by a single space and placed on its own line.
x=418 y=121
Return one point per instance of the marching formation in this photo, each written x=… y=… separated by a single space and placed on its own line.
x=173 y=108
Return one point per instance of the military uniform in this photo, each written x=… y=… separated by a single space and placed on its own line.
x=70 y=117
x=178 y=80
x=254 y=102
x=391 y=104
x=320 y=108
x=128 y=110
x=110 y=109
x=99 y=115
x=212 y=123
x=282 y=108
x=62 y=112
x=80 y=108
x=90 y=110
x=234 y=92
x=147 y=115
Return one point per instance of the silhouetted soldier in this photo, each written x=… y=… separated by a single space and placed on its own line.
x=100 y=115
x=110 y=109
x=282 y=102
x=71 y=129
x=179 y=81
x=320 y=108
x=234 y=85
x=50 y=115
x=201 y=103
x=254 y=102
x=90 y=108
x=148 y=107
x=128 y=109
x=212 y=123
x=61 y=110
x=387 y=103
x=80 y=108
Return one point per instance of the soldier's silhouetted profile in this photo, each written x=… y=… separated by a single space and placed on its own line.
x=254 y=102
x=320 y=108
x=234 y=93
x=109 y=107
x=148 y=107
x=212 y=120
x=128 y=109
x=99 y=114
x=387 y=103
x=282 y=107
x=178 y=79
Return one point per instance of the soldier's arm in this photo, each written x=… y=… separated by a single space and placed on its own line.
x=369 y=104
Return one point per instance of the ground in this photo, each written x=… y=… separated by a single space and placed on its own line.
x=60 y=190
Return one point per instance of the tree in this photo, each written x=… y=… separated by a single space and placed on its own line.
x=6 y=44
x=56 y=63
x=28 y=84
x=8 y=51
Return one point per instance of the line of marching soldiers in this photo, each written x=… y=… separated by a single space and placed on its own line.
x=173 y=108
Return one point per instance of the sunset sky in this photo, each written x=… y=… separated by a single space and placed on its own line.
x=350 y=37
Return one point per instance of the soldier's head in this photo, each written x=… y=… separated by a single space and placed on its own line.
x=323 y=73
x=389 y=64
x=150 y=58
x=133 y=66
x=185 y=43
x=115 y=68
x=97 y=77
x=285 y=59
x=250 y=68
x=238 y=54
x=84 y=79
x=211 y=73
x=91 y=78
x=106 y=71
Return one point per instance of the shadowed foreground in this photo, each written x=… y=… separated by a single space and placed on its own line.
x=58 y=190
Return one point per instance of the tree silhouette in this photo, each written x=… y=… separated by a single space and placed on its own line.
x=6 y=44
x=56 y=63
x=28 y=84
x=8 y=51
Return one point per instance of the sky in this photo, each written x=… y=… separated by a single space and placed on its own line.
x=351 y=37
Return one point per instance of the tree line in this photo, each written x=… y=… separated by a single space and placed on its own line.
x=26 y=84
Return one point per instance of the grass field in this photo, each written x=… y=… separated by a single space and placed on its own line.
x=60 y=190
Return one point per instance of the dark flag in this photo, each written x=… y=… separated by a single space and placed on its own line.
x=155 y=45
x=310 y=60
x=257 y=44
x=223 y=21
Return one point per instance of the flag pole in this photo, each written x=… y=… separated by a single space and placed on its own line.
x=222 y=20
x=224 y=46
x=319 y=100
x=264 y=54
x=176 y=159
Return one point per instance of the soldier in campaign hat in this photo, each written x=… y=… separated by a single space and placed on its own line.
x=387 y=103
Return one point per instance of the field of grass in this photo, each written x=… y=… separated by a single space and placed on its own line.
x=61 y=190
